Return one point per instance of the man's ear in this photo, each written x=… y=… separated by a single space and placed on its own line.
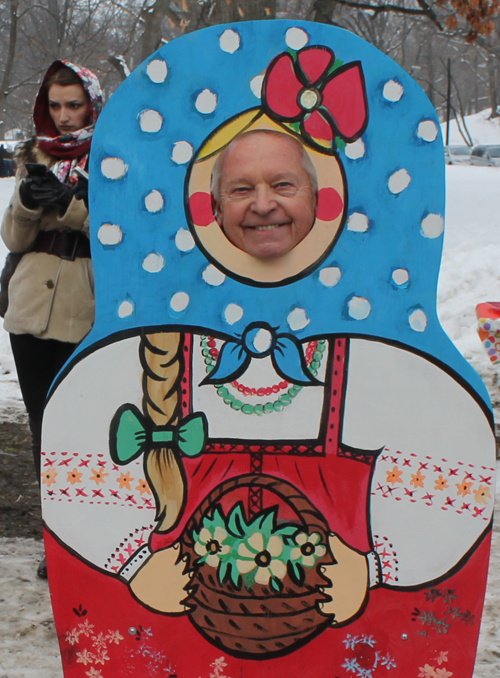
x=216 y=209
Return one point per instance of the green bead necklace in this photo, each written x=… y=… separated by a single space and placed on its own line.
x=314 y=353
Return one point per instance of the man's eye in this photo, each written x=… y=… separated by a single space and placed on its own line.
x=241 y=190
x=284 y=186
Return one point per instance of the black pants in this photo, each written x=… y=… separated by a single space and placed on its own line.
x=37 y=363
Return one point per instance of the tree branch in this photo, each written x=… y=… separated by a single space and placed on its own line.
x=425 y=10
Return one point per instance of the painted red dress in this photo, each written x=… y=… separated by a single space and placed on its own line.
x=398 y=461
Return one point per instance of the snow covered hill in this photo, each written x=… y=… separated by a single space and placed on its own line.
x=481 y=128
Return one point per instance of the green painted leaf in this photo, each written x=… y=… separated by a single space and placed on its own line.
x=265 y=524
x=236 y=521
x=336 y=64
x=235 y=576
x=276 y=584
x=340 y=143
x=223 y=572
x=296 y=572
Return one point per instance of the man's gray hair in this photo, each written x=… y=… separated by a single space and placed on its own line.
x=305 y=160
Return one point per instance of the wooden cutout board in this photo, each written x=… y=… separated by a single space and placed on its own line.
x=323 y=506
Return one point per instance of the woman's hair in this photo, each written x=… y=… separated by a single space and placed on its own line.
x=64 y=76
x=305 y=160
x=161 y=358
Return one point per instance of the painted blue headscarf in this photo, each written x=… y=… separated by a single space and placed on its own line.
x=380 y=277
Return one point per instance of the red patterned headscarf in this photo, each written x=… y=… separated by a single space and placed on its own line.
x=68 y=148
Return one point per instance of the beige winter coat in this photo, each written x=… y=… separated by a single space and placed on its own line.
x=49 y=297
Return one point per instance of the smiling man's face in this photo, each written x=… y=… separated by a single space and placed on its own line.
x=266 y=203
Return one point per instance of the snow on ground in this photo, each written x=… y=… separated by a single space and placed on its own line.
x=470 y=270
x=480 y=127
x=11 y=403
x=470 y=274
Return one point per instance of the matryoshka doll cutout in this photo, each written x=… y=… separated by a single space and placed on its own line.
x=278 y=460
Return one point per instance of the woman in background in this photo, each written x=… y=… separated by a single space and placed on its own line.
x=51 y=292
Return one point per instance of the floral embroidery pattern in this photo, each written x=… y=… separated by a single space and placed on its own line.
x=91 y=479
x=366 y=659
x=218 y=667
x=145 y=659
x=428 y=671
x=388 y=558
x=441 y=619
x=95 y=654
x=256 y=552
x=459 y=487
x=128 y=547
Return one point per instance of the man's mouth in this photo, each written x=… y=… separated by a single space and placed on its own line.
x=266 y=227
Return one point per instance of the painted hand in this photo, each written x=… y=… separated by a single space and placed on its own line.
x=349 y=581
x=160 y=582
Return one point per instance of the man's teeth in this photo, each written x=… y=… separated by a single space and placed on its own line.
x=269 y=227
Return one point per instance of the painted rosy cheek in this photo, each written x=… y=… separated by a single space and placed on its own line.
x=330 y=204
x=200 y=207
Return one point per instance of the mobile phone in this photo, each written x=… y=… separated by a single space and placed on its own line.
x=82 y=173
x=36 y=169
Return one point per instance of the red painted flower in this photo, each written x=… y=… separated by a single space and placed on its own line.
x=326 y=102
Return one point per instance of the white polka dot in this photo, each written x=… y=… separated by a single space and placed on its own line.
x=296 y=38
x=400 y=276
x=399 y=181
x=153 y=263
x=109 y=234
x=206 y=101
x=212 y=276
x=262 y=340
x=432 y=226
x=179 y=302
x=393 y=90
x=427 y=130
x=125 y=309
x=150 y=121
x=113 y=168
x=182 y=152
x=157 y=70
x=358 y=308
x=358 y=222
x=154 y=201
x=297 y=319
x=418 y=320
x=184 y=241
x=256 y=85
x=229 y=41
x=330 y=276
x=355 y=150
x=233 y=313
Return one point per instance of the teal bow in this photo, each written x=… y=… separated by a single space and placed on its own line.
x=130 y=434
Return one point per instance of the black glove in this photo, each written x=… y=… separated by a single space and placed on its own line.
x=49 y=191
x=26 y=193
x=81 y=190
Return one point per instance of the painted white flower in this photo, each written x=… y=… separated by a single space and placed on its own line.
x=308 y=549
x=210 y=545
x=258 y=553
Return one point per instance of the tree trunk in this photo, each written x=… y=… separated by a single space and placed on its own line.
x=323 y=11
x=493 y=85
x=11 y=54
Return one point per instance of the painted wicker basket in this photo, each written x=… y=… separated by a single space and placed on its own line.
x=258 y=620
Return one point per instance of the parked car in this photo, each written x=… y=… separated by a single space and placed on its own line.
x=457 y=155
x=485 y=156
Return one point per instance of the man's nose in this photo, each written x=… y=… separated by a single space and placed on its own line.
x=264 y=201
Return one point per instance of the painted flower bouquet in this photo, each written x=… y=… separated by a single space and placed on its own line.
x=256 y=552
x=256 y=583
